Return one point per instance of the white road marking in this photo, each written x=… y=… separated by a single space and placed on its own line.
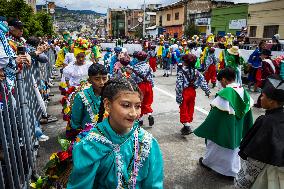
x=174 y=97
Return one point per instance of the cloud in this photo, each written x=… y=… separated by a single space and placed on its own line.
x=101 y=6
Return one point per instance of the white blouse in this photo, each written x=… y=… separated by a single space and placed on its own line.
x=76 y=73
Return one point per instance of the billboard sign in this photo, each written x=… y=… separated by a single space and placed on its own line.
x=237 y=24
x=202 y=21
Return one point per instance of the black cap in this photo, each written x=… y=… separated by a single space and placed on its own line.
x=16 y=23
x=274 y=88
x=266 y=52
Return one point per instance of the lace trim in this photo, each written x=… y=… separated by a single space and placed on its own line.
x=138 y=162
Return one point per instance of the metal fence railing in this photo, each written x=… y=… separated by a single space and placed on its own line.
x=20 y=112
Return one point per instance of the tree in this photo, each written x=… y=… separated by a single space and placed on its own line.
x=191 y=30
x=38 y=24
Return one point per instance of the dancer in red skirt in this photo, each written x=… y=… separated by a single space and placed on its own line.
x=143 y=76
x=152 y=57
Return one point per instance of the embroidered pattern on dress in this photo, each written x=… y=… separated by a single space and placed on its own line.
x=145 y=151
x=88 y=106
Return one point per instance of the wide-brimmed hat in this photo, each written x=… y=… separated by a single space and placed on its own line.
x=234 y=50
x=266 y=52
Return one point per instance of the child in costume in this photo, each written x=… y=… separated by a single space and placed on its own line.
x=188 y=79
x=78 y=71
x=233 y=60
x=107 y=58
x=134 y=59
x=262 y=149
x=114 y=59
x=160 y=52
x=143 y=76
x=86 y=103
x=152 y=57
x=120 y=66
x=209 y=43
x=96 y=51
x=117 y=153
x=210 y=70
x=176 y=57
x=226 y=124
x=166 y=56
x=267 y=69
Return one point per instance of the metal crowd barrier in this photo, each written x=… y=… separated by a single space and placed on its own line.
x=19 y=115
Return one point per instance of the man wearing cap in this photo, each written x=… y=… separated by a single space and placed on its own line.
x=233 y=60
x=10 y=62
x=263 y=146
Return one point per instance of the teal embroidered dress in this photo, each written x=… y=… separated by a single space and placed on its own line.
x=85 y=108
x=106 y=160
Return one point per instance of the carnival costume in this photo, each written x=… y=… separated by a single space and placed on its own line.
x=262 y=149
x=188 y=79
x=107 y=58
x=143 y=76
x=210 y=70
x=152 y=57
x=210 y=43
x=166 y=57
x=114 y=59
x=102 y=160
x=226 y=124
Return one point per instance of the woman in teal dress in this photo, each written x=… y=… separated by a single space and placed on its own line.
x=86 y=103
x=117 y=153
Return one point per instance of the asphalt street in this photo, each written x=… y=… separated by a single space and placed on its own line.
x=180 y=154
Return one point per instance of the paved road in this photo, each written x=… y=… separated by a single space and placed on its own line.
x=180 y=154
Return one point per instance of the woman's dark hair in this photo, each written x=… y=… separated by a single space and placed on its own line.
x=112 y=88
x=227 y=73
x=33 y=41
x=96 y=69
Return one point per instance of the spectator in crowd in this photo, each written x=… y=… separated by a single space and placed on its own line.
x=276 y=46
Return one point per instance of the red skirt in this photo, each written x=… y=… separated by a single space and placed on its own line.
x=153 y=63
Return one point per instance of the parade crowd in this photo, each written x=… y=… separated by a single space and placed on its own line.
x=106 y=96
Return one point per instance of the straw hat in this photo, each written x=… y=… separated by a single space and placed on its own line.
x=234 y=50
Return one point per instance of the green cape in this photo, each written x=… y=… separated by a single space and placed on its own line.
x=225 y=129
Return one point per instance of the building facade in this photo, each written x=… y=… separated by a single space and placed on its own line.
x=266 y=19
x=199 y=13
x=229 y=19
x=116 y=23
x=171 y=19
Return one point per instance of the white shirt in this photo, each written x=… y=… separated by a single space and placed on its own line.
x=76 y=73
x=69 y=58
x=57 y=49
x=197 y=52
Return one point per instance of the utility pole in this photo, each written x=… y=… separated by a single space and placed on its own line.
x=144 y=18
x=46 y=6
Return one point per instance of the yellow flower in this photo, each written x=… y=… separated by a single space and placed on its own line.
x=33 y=185
x=53 y=156
x=63 y=84
x=96 y=117
x=67 y=110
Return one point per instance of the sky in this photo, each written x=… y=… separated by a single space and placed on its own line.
x=102 y=5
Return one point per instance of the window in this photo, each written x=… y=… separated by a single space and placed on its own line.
x=161 y=21
x=252 y=31
x=168 y=17
x=177 y=16
x=269 y=31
